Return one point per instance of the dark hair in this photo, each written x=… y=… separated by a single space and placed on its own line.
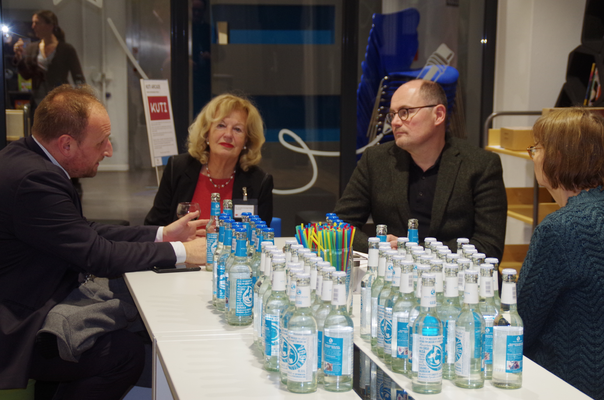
x=50 y=18
x=433 y=93
x=65 y=110
x=573 y=148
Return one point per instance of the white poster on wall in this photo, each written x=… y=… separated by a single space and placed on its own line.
x=160 y=120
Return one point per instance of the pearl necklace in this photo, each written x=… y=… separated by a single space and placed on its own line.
x=215 y=185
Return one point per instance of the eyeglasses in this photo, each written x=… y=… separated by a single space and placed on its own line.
x=531 y=151
x=403 y=113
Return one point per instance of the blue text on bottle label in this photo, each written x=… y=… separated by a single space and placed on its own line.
x=244 y=299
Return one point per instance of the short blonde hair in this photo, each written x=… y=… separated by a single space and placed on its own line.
x=573 y=148
x=216 y=110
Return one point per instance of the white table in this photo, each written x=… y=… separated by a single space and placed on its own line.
x=197 y=353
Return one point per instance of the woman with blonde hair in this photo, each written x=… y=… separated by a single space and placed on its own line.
x=561 y=282
x=225 y=143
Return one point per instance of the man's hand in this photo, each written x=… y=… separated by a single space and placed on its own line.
x=184 y=229
x=392 y=240
x=196 y=251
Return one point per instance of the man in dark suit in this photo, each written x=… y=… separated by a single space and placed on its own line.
x=48 y=248
x=453 y=188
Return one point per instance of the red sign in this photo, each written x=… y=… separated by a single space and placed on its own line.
x=158 y=108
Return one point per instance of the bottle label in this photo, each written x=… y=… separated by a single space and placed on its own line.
x=271 y=334
x=462 y=352
x=402 y=339
x=449 y=341
x=430 y=358
x=303 y=296
x=380 y=334
x=244 y=299
x=284 y=342
x=513 y=353
x=407 y=283
x=319 y=349
x=339 y=295
x=374 y=317
x=389 y=270
x=365 y=308
x=221 y=279
x=508 y=293
x=413 y=235
x=461 y=281
x=301 y=356
x=241 y=249
x=258 y=314
x=279 y=281
x=451 y=287
x=413 y=351
x=338 y=353
x=215 y=208
x=211 y=243
x=388 y=330
x=488 y=341
x=383 y=238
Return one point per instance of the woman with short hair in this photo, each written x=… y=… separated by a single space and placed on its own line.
x=561 y=282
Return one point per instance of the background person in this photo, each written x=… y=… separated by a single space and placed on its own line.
x=49 y=61
x=48 y=248
x=453 y=188
x=561 y=282
x=225 y=141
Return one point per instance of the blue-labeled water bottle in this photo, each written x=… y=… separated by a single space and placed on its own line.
x=275 y=306
x=395 y=294
x=338 y=340
x=212 y=231
x=401 y=315
x=241 y=288
x=259 y=290
x=221 y=265
x=381 y=232
x=412 y=230
x=508 y=337
x=267 y=286
x=448 y=313
x=428 y=331
x=290 y=285
x=221 y=218
x=302 y=336
x=228 y=301
x=469 y=333
x=382 y=299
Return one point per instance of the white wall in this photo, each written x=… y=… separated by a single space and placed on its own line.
x=83 y=24
x=534 y=39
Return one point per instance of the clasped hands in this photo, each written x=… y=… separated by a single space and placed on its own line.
x=192 y=234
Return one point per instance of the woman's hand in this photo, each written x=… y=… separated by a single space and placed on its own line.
x=18 y=48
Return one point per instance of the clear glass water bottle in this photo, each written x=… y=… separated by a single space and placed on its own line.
x=469 y=333
x=495 y=263
x=428 y=244
x=228 y=302
x=376 y=289
x=267 y=286
x=274 y=308
x=413 y=355
x=400 y=245
x=338 y=340
x=220 y=272
x=395 y=294
x=241 y=288
x=382 y=299
x=366 y=286
x=489 y=312
x=212 y=230
x=259 y=290
x=290 y=285
x=287 y=249
x=302 y=333
x=319 y=286
x=477 y=261
x=464 y=265
x=428 y=331
x=401 y=314
x=256 y=257
x=448 y=313
x=321 y=313
x=508 y=337
x=412 y=230
x=314 y=271
x=436 y=267
x=221 y=218
x=381 y=232
x=460 y=243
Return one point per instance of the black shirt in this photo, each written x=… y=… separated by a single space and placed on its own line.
x=422 y=187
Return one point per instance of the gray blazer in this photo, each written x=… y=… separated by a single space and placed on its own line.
x=470 y=199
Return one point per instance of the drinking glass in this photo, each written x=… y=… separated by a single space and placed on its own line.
x=186 y=207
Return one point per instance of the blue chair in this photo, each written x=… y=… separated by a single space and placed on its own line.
x=276 y=225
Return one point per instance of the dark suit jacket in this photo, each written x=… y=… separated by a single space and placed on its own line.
x=470 y=199
x=180 y=179
x=45 y=243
